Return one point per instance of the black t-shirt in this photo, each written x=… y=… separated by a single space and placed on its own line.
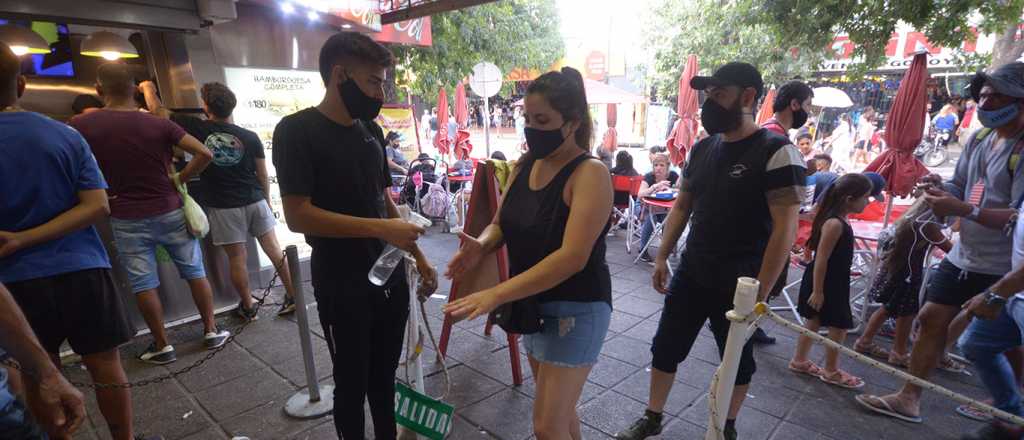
x=733 y=184
x=230 y=181
x=672 y=178
x=343 y=170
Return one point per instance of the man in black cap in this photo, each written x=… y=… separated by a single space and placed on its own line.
x=987 y=185
x=741 y=194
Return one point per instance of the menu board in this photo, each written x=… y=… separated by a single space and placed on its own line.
x=264 y=97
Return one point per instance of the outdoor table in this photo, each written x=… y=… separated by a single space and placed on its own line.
x=649 y=205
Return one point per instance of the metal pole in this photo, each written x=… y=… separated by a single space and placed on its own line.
x=317 y=401
x=487 y=126
x=725 y=376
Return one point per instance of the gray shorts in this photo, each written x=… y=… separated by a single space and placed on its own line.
x=236 y=225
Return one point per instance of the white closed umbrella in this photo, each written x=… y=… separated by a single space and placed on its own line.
x=831 y=97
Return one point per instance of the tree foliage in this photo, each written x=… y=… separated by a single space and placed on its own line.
x=717 y=33
x=766 y=33
x=870 y=23
x=510 y=34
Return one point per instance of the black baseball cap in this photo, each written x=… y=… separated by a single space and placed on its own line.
x=1007 y=79
x=732 y=74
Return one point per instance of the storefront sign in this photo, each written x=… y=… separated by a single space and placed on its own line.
x=596 y=65
x=415 y=32
x=401 y=121
x=264 y=97
x=902 y=46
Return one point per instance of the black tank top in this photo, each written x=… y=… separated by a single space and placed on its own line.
x=533 y=223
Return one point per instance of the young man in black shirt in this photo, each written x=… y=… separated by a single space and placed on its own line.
x=741 y=194
x=234 y=189
x=333 y=173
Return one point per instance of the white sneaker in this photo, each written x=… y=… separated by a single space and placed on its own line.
x=216 y=338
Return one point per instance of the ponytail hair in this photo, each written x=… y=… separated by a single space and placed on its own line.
x=850 y=185
x=565 y=93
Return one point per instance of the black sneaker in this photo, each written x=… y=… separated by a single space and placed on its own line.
x=216 y=338
x=992 y=431
x=287 y=307
x=646 y=426
x=155 y=356
x=154 y=437
x=760 y=337
x=646 y=258
x=729 y=432
x=250 y=313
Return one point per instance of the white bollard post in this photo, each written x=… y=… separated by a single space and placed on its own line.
x=316 y=400
x=725 y=376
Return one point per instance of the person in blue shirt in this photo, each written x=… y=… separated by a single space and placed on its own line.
x=51 y=257
x=946 y=120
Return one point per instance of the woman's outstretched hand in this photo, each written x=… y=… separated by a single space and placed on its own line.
x=467 y=258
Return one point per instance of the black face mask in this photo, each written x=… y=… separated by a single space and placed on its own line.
x=799 y=118
x=543 y=142
x=359 y=104
x=717 y=119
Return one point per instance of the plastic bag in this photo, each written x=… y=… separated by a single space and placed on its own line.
x=195 y=219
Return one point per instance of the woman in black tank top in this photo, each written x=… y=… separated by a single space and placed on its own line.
x=553 y=219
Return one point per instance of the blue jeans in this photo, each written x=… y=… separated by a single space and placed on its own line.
x=648 y=229
x=984 y=342
x=15 y=422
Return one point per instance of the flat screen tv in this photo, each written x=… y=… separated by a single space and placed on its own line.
x=57 y=63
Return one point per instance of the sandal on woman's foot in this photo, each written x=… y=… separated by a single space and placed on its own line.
x=806 y=367
x=899 y=360
x=974 y=413
x=949 y=364
x=879 y=405
x=842 y=379
x=871 y=349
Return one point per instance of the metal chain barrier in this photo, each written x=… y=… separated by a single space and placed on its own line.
x=260 y=302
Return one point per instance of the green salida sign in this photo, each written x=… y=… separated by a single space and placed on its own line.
x=422 y=414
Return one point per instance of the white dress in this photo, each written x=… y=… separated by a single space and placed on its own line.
x=842 y=147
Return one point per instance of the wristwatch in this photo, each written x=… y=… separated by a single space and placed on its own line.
x=994 y=299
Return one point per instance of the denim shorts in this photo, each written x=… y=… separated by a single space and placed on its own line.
x=137 y=240
x=572 y=333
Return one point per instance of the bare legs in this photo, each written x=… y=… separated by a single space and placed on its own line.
x=558 y=391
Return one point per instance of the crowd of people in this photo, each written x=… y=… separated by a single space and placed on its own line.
x=741 y=194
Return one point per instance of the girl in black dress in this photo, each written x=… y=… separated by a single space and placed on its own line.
x=825 y=290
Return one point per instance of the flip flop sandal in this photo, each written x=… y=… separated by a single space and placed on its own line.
x=872 y=350
x=899 y=360
x=948 y=364
x=973 y=413
x=809 y=368
x=880 y=406
x=844 y=380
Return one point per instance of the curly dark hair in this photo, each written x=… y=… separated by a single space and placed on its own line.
x=352 y=46
x=219 y=99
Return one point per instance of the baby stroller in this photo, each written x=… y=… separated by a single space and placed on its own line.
x=425 y=190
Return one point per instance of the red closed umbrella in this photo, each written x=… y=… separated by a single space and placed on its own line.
x=461 y=106
x=684 y=133
x=441 y=140
x=766 y=112
x=904 y=128
x=611 y=137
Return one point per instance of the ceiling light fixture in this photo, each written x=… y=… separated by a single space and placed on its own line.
x=23 y=40
x=109 y=46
